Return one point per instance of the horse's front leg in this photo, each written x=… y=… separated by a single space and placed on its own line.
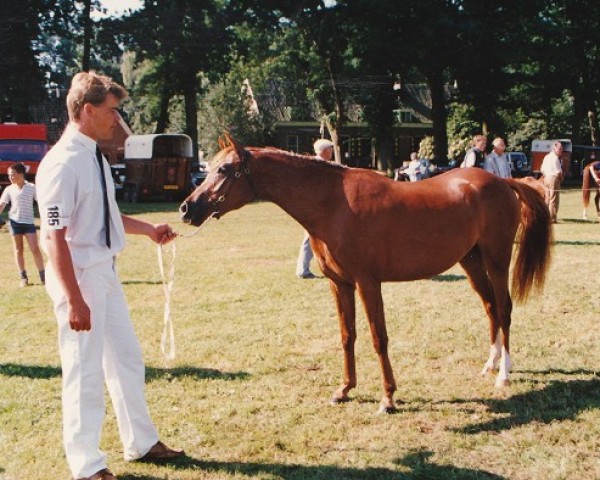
x=370 y=294
x=344 y=299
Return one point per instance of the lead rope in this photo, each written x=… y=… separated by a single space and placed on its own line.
x=167 y=287
x=168 y=333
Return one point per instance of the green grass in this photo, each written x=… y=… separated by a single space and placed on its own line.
x=258 y=356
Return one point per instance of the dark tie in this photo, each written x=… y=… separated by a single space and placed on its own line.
x=105 y=197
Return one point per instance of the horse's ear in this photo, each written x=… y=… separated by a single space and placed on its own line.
x=239 y=149
x=222 y=143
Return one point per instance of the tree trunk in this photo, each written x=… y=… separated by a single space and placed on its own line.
x=593 y=122
x=162 y=122
x=339 y=116
x=588 y=101
x=333 y=134
x=384 y=148
x=87 y=35
x=191 y=111
x=438 y=116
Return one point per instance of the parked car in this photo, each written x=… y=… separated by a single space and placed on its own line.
x=199 y=173
x=117 y=171
x=520 y=166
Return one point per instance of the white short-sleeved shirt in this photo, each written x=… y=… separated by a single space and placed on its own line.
x=69 y=192
x=21 y=202
x=551 y=165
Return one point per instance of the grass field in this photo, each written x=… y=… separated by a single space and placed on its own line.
x=258 y=356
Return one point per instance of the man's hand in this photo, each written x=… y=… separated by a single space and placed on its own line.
x=79 y=316
x=163 y=234
x=159 y=233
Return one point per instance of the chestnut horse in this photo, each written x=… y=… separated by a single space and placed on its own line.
x=467 y=216
x=590 y=183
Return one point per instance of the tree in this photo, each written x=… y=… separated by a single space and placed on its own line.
x=412 y=39
x=21 y=78
x=320 y=53
x=176 y=43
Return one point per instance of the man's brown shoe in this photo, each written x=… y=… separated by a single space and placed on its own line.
x=161 y=453
x=104 y=474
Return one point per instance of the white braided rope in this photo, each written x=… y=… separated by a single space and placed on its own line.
x=168 y=334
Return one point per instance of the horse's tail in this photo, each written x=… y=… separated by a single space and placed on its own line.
x=534 y=240
x=585 y=187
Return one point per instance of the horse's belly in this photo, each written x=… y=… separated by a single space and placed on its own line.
x=418 y=261
x=415 y=269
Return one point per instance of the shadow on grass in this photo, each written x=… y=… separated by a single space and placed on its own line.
x=417 y=462
x=35 y=372
x=141 y=282
x=44 y=372
x=576 y=243
x=591 y=220
x=193 y=372
x=449 y=278
x=558 y=400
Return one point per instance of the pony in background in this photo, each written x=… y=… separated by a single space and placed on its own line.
x=591 y=181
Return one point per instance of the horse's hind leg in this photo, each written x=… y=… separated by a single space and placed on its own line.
x=474 y=267
x=344 y=298
x=498 y=273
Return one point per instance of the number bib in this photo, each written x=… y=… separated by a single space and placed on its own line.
x=54 y=217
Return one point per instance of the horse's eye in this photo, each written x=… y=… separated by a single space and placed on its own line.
x=222 y=170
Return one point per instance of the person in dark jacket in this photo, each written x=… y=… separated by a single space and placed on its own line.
x=476 y=154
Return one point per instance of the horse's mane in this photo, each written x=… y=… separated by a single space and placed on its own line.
x=283 y=155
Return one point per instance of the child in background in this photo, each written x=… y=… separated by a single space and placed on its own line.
x=21 y=194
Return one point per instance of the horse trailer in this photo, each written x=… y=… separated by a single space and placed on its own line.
x=157 y=167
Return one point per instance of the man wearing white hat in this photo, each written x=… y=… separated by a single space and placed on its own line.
x=324 y=151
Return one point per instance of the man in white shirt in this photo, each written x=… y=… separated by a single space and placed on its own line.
x=324 y=151
x=82 y=231
x=496 y=162
x=414 y=168
x=552 y=172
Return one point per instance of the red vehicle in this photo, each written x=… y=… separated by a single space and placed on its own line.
x=24 y=143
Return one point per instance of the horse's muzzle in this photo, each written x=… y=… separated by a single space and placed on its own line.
x=184 y=211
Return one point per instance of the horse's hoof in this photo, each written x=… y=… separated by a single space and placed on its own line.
x=338 y=400
x=502 y=382
x=387 y=409
x=487 y=370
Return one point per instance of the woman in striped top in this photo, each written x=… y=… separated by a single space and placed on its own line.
x=21 y=194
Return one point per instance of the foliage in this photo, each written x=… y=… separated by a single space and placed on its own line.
x=21 y=78
x=318 y=59
x=223 y=109
x=426 y=150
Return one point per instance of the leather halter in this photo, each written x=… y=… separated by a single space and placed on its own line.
x=242 y=168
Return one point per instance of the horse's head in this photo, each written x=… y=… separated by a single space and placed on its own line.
x=227 y=187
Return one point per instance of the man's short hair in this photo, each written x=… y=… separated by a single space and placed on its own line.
x=321 y=145
x=89 y=87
